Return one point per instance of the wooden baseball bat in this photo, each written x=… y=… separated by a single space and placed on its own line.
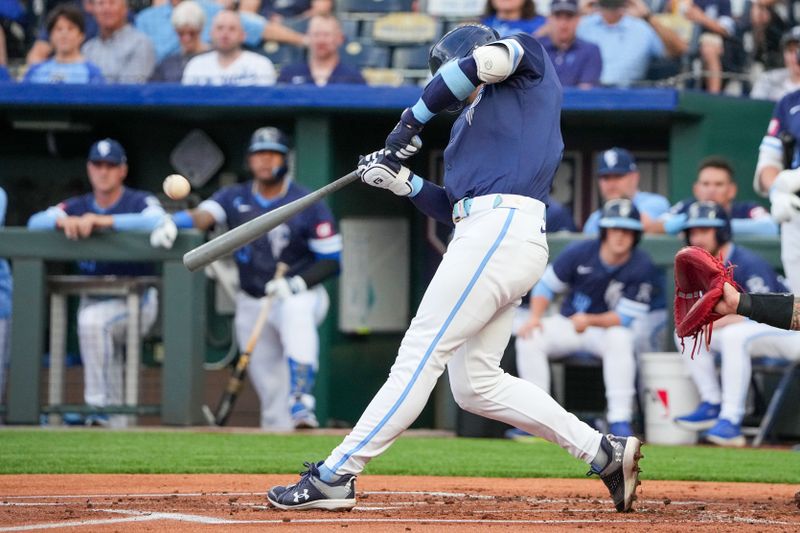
x=236 y=380
x=250 y=231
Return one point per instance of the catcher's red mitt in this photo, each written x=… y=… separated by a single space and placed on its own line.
x=699 y=279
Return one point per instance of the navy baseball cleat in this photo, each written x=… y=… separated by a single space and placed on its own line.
x=621 y=473
x=313 y=493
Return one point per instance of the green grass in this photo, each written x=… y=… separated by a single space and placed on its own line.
x=92 y=451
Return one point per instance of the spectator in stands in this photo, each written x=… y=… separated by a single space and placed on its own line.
x=734 y=338
x=508 y=17
x=762 y=33
x=775 y=84
x=716 y=25
x=628 y=41
x=278 y=10
x=156 y=23
x=188 y=20
x=123 y=54
x=716 y=183
x=578 y=63
x=41 y=49
x=618 y=177
x=227 y=63
x=6 y=283
x=65 y=27
x=102 y=321
x=324 y=65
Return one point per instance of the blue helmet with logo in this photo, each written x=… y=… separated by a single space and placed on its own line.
x=621 y=214
x=458 y=43
x=709 y=215
x=269 y=139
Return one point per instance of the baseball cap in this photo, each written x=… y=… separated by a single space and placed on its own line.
x=615 y=161
x=561 y=6
x=791 y=36
x=268 y=139
x=107 y=151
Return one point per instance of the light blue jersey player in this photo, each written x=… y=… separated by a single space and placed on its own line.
x=608 y=285
x=735 y=338
x=618 y=177
x=6 y=285
x=102 y=321
x=284 y=362
x=504 y=149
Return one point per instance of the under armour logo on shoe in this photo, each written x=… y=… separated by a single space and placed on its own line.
x=297 y=496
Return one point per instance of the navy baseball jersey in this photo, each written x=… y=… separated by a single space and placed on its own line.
x=743 y=210
x=594 y=287
x=509 y=139
x=131 y=201
x=559 y=218
x=298 y=242
x=785 y=118
x=752 y=272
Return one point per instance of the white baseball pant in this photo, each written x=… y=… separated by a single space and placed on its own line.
x=464 y=323
x=790 y=252
x=558 y=338
x=102 y=327
x=291 y=330
x=736 y=343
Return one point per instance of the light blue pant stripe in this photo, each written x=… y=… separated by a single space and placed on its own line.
x=456 y=80
x=435 y=341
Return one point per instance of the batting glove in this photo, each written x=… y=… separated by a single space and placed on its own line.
x=404 y=141
x=285 y=287
x=787 y=181
x=783 y=205
x=378 y=170
x=163 y=236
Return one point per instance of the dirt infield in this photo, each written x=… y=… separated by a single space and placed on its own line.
x=132 y=503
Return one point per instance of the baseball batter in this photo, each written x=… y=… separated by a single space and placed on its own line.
x=735 y=338
x=284 y=362
x=504 y=149
x=102 y=321
x=781 y=184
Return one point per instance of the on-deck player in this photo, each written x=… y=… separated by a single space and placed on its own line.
x=499 y=165
x=102 y=321
x=781 y=184
x=6 y=283
x=284 y=362
x=609 y=284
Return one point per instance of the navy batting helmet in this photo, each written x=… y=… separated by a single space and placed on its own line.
x=621 y=214
x=458 y=43
x=269 y=139
x=709 y=215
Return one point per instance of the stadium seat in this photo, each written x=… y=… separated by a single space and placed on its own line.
x=373 y=6
x=282 y=54
x=350 y=28
x=405 y=28
x=365 y=55
x=411 y=58
x=456 y=8
x=383 y=77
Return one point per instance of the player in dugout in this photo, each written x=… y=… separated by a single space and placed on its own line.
x=504 y=149
x=284 y=362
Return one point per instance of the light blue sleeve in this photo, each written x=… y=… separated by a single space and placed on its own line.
x=45 y=220
x=541 y=289
x=3 y=206
x=654 y=205
x=137 y=221
x=592 y=225
x=253 y=28
x=754 y=226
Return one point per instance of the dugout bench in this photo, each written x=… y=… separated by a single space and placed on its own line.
x=183 y=302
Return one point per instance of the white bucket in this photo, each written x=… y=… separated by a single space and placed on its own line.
x=668 y=392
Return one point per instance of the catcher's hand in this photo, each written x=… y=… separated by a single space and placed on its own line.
x=699 y=281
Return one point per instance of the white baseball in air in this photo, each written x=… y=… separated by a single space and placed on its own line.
x=176 y=186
